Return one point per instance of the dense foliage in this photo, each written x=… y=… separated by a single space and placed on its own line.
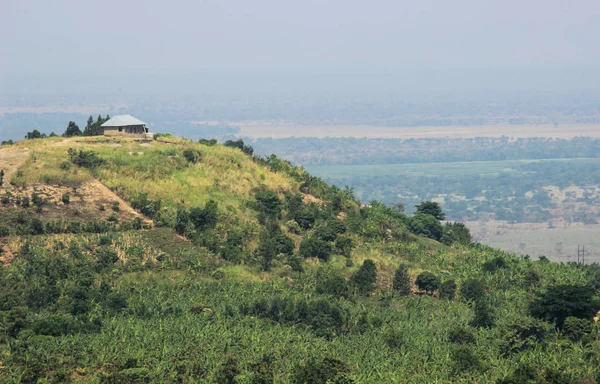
x=284 y=280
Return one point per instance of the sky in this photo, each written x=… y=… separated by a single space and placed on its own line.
x=42 y=40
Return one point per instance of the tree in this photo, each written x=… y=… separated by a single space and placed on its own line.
x=428 y=282
x=268 y=202
x=448 y=290
x=456 y=233
x=427 y=225
x=35 y=134
x=431 y=208
x=472 y=290
x=315 y=247
x=364 y=279
x=72 y=130
x=575 y=329
x=483 y=316
x=401 y=283
x=562 y=301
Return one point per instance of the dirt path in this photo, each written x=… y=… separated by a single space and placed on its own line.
x=94 y=190
x=10 y=160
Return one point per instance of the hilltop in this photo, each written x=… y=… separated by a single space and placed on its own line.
x=180 y=261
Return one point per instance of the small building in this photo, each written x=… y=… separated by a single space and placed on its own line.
x=126 y=126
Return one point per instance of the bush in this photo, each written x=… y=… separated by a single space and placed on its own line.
x=305 y=218
x=495 y=264
x=344 y=246
x=575 y=329
x=85 y=159
x=401 y=282
x=448 y=290
x=333 y=284
x=522 y=333
x=6 y=198
x=192 y=155
x=25 y=202
x=428 y=282
x=325 y=234
x=461 y=336
x=365 y=278
x=66 y=199
x=483 y=316
x=472 y=290
x=248 y=150
x=464 y=359
x=321 y=372
x=315 y=247
x=268 y=203
x=209 y=143
x=562 y=301
x=116 y=206
x=293 y=227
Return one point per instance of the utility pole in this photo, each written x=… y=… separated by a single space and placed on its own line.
x=581 y=254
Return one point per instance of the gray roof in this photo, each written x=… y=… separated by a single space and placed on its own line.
x=122 y=121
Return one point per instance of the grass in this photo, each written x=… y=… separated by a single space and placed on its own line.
x=159 y=169
x=483 y=168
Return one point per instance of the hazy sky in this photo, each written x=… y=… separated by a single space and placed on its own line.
x=40 y=37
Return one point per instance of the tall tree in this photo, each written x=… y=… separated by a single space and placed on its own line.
x=72 y=130
x=431 y=208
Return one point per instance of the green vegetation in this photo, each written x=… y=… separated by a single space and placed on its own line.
x=255 y=271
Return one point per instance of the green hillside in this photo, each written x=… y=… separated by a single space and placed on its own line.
x=172 y=261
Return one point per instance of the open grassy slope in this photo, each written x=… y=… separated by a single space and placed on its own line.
x=265 y=292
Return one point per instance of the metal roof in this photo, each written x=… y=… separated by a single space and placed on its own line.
x=122 y=121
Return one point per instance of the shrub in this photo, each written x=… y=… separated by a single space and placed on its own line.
x=472 y=290
x=25 y=202
x=54 y=325
x=208 y=143
x=113 y=217
x=262 y=371
x=531 y=279
x=333 y=284
x=401 y=282
x=268 y=203
x=305 y=218
x=116 y=206
x=394 y=339
x=315 y=247
x=321 y=372
x=464 y=359
x=192 y=155
x=448 y=290
x=483 y=316
x=365 y=278
x=562 y=301
x=1 y=177
x=85 y=159
x=293 y=227
x=522 y=333
x=344 y=245
x=428 y=282
x=66 y=199
x=6 y=198
x=575 y=329
x=461 y=336
x=494 y=264
x=248 y=150
x=325 y=234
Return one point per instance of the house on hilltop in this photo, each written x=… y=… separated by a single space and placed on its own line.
x=126 y=126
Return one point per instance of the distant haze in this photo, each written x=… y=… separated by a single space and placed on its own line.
x=298 y=46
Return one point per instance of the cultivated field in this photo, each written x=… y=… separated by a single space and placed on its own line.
x=537 y=239
x=489 y=168
x=260 y=129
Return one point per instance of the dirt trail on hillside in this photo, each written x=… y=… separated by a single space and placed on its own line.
x=94 y=190
x=10 y=160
